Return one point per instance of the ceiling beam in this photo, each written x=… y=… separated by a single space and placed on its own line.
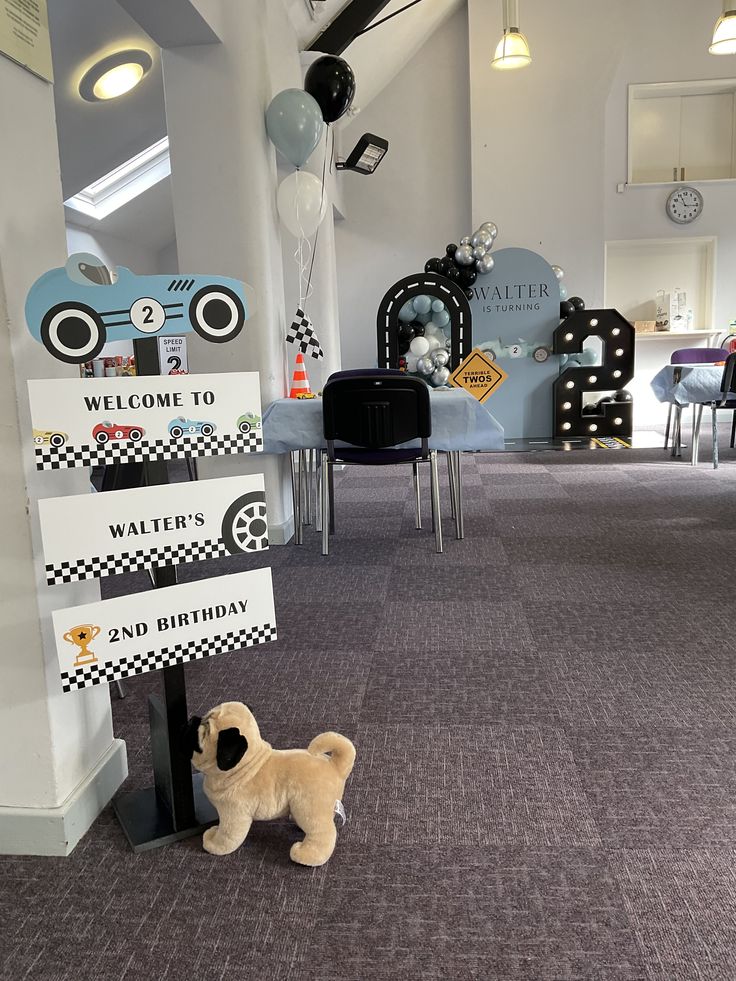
x=171 y=23
x=351 y=20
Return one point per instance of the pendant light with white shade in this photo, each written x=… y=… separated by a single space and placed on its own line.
x=513 y=48
x=724 y=33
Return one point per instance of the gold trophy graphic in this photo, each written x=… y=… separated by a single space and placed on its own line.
x=82 y=637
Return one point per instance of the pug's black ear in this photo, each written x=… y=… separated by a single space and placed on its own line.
x=231 y=748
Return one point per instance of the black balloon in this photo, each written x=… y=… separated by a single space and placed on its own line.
x=566 y=308
x=453 y=274
x=468 y=276
x=470 y=294
x=406 y=332
x=577 y=302
x=404 y=347
x=623 y=396
x=432 y=265
x=331 y=82
x=451 y=250
x=591 y=409
x=418 y=329
x=445 y=266
x=603 y=401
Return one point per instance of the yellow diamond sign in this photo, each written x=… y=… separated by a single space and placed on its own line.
x=479 y=375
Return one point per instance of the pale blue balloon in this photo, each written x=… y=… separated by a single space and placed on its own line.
x=422 y=304
x=442 y=318
x=295 y=125
x=437 y=306
x=423 y=318
x=407 y=313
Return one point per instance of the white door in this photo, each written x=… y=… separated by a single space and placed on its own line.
x=706 y=137
x=654 y=134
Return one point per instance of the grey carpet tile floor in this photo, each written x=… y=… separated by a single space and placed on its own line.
x=545 y=787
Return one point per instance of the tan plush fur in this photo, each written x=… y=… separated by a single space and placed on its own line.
x=270 y=783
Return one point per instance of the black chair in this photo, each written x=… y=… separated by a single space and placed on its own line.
x=726 y=401
x=375 y=410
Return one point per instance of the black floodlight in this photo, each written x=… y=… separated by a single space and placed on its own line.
x=368 y=153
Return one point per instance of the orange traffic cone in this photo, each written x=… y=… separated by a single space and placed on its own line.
x=300 y=381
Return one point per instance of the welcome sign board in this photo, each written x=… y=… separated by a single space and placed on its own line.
x=116 y=638
x=82 y=422
x=99 y=535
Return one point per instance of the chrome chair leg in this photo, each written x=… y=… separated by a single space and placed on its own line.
x=318 y=515
x=417 y=496
x=459 y=519
x=325 y=467
x=296 y=498
x=304 y=486
x=451 y=481
x=436 y=516
x=714 y=413
x=667 y=427
x=733 y=429
x=120 y=690
x=677 y=432
x=697 y=416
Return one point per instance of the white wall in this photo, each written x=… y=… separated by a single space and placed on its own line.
x=112 y=250
x=419 y=198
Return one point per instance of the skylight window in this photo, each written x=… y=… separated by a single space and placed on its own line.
x=124 y=183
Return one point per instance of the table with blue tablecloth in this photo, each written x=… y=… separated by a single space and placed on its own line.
x=688 y=384
x=459 y=424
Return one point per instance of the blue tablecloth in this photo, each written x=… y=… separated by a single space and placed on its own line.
x=459 y=422
x=697 y=383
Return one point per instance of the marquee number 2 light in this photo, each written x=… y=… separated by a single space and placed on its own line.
x=617 y=369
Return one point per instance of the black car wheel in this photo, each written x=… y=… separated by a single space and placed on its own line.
x=135 y=434
x=245 y=527
x=102 y=437
x=540 y=355
x=176 y=432
x=73 y=333
x=244 y=427
x=207 y=430
x=217 y=313
x=56 y=439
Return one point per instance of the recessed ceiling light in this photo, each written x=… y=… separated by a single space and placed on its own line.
x=724 y=33
x=115 y=75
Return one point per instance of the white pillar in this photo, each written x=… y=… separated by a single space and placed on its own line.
x=224 y=182
x=61 y=764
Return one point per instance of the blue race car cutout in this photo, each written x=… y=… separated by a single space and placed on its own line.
x=189 y=427
x=75 y=310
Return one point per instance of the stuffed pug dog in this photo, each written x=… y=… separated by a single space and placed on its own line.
x=246 y=780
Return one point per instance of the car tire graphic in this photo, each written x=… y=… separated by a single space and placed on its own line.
x=540 y=355
x=56 y=439
x=207 y=429
x=244 y=427
x=244 y=527
x=135 y=434
x=73 y=332
x=217 y=314
x=102 y=438
x=490 y=355
x=176 y=432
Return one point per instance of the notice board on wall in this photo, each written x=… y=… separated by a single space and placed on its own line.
x=24 y=35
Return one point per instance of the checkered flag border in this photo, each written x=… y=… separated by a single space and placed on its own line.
x=67 y=457
x=302 y=333
x=99 y=566
x=235 y=640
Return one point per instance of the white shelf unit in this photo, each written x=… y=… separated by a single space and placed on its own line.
x=682 y=132
x=634 y=271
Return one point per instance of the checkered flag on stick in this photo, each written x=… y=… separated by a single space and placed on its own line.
x=302 y=333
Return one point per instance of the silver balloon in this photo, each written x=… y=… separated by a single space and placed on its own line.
x=425 y=366
x=482 y=238
x=441 y=358
x=441 y=376
x=465 y=240
x=485 y=264
x=479 y=252
x=558 y=271
x=464 y=256
x=491 y=227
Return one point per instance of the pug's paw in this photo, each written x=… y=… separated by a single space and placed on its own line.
x=214 y=843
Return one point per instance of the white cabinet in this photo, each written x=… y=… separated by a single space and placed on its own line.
x=681 y=132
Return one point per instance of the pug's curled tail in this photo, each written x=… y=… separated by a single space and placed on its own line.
x=341 y=749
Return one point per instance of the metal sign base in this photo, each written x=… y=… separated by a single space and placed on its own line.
x=148 y=823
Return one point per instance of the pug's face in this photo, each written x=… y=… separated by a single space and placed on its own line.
x=221 y=739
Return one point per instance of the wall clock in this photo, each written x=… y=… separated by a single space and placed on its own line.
x=684 y=205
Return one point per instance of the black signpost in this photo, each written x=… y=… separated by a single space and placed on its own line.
x=175 y=807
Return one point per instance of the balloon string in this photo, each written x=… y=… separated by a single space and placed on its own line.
x=329 y=138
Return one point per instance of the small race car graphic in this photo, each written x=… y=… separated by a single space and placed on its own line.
x=49 y=437
x=496 y=350
x=106 y=432
x=248 y=421
x=189 y=427
x=73 y=311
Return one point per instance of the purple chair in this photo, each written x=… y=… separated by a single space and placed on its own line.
x=375 y=410
x=726 y=401
x=691 y=355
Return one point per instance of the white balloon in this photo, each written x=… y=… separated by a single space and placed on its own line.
x=302 y=203
x=434 y=343
x=411 y=363
x=419 y=346
x=558 y=271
